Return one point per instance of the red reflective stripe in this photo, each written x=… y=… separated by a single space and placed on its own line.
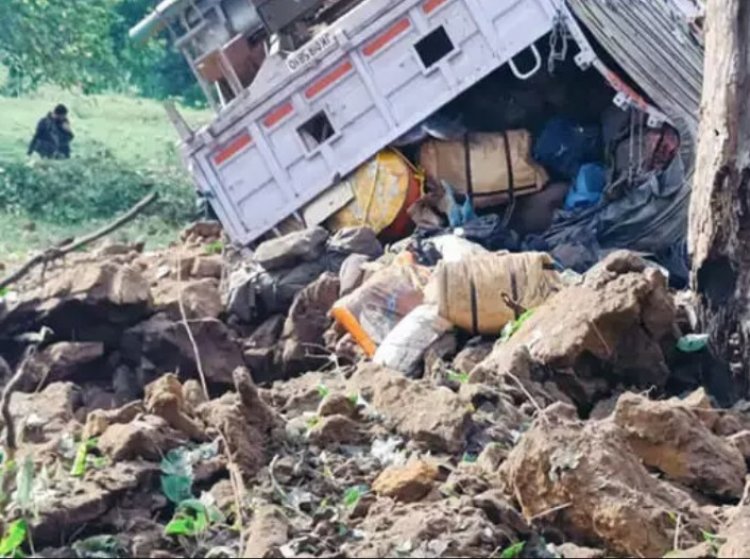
x=328 y=80
x=277 y=115
x=234 y=147
x=432 y=5
x=620 y=85
x=394 y=31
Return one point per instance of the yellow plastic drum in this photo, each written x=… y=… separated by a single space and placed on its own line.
x=383 y=189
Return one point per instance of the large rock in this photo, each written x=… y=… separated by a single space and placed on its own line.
x=408 y=483
x=81 y=502
x=99 y=420
x=91 y=301
x=260 y=350
x=200 y=298
x=286 y=251
x=148 y=437
x=60 y=361
x=166 y=344
x=40 y=416
x=607 y=331
x=244 y=420
x=434 y=416
x=308 y=319
x=165 y=397
x=670 y=437
x=337 y=404
x=336 y=430
x=605 y=494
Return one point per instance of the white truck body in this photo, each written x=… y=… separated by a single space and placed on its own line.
x=312 y=116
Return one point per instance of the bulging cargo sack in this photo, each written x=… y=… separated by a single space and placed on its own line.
x=492 y=168
x=403 y=348
x=481 y=294
x=378 y=305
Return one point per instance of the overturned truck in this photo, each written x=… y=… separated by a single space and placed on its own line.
x=309 y=94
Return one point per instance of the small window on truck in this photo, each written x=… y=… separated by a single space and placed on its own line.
x=316 y=131
x=434 y=47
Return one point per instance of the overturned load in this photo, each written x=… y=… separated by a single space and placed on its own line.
x=489 y=168
x=481 y=294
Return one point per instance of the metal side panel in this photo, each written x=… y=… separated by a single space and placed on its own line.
x=652 y=41
x=379 y=86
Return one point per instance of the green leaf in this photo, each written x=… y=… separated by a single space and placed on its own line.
x=3 y=292
x=354 y=494
x=13 y=538
x=192 y=518
x=82 y=454
x=459 y=378
x=323 y=391
x=513 y=327
x=513 y=551
x=215 y=247
x=180 y=526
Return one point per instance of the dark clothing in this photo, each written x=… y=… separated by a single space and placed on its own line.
x=52 y=138
x=65 y=135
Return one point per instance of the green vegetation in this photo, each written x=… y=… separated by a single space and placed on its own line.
x=77 y=52
x=513 y=551
x=13 y=539
x=124 y=147
x=84 y=44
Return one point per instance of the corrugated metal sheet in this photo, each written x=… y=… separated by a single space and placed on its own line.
x=653 y=42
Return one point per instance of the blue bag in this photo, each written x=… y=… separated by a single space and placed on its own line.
x=588 y=187
x=563 y=146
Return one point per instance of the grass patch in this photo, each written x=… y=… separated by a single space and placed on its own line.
x=135 y=131
x=124 y=147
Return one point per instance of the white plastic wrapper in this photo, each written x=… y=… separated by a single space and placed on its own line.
x=455 y=248
x=403 y=348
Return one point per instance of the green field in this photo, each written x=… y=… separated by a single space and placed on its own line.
x=133 y=131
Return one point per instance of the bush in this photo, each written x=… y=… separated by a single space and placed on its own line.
x=79 y=190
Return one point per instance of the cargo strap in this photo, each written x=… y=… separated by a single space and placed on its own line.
x=511 y=182
x=467 y=165
x=474 y=306
x=512 y=302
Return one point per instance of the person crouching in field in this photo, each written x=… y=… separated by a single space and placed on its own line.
x=53 y=135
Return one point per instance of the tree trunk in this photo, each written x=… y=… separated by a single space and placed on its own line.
x=719 y=232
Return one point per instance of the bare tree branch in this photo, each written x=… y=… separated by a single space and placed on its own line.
x=58 y=252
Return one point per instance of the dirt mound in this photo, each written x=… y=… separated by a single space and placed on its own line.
x=170 y=407
x=583 y=478
x=611 y=330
